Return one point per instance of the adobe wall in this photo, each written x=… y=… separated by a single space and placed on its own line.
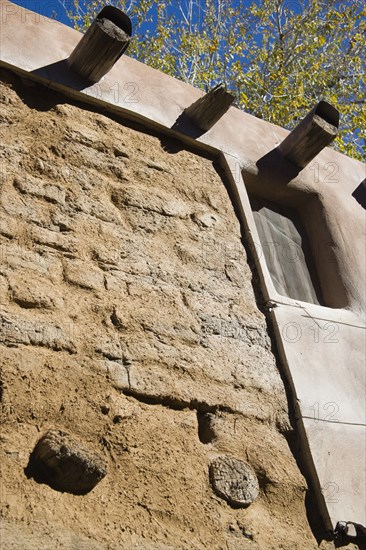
x=128 y=319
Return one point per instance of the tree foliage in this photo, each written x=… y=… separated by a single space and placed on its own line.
x=279 y=57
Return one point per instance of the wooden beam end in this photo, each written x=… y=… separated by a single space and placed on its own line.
x=317 y=130
x=207 y=110
x=102 y=45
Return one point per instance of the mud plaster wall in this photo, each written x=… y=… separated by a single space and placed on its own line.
x=128 y=319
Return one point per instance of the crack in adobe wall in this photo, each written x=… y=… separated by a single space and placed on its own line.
x=178 y=404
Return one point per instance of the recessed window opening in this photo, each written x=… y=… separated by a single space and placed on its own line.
x=287 y=251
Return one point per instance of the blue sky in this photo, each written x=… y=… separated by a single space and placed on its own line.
x=46 y=8
x=55 y=8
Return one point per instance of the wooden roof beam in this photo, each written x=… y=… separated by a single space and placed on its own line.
x=207 y=110
x=102 y=45
x=315 y=131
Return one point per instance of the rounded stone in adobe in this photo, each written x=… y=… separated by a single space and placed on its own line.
x=60 y=461
x=234 y=480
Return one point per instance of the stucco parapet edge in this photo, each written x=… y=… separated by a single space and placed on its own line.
x=141 y=93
